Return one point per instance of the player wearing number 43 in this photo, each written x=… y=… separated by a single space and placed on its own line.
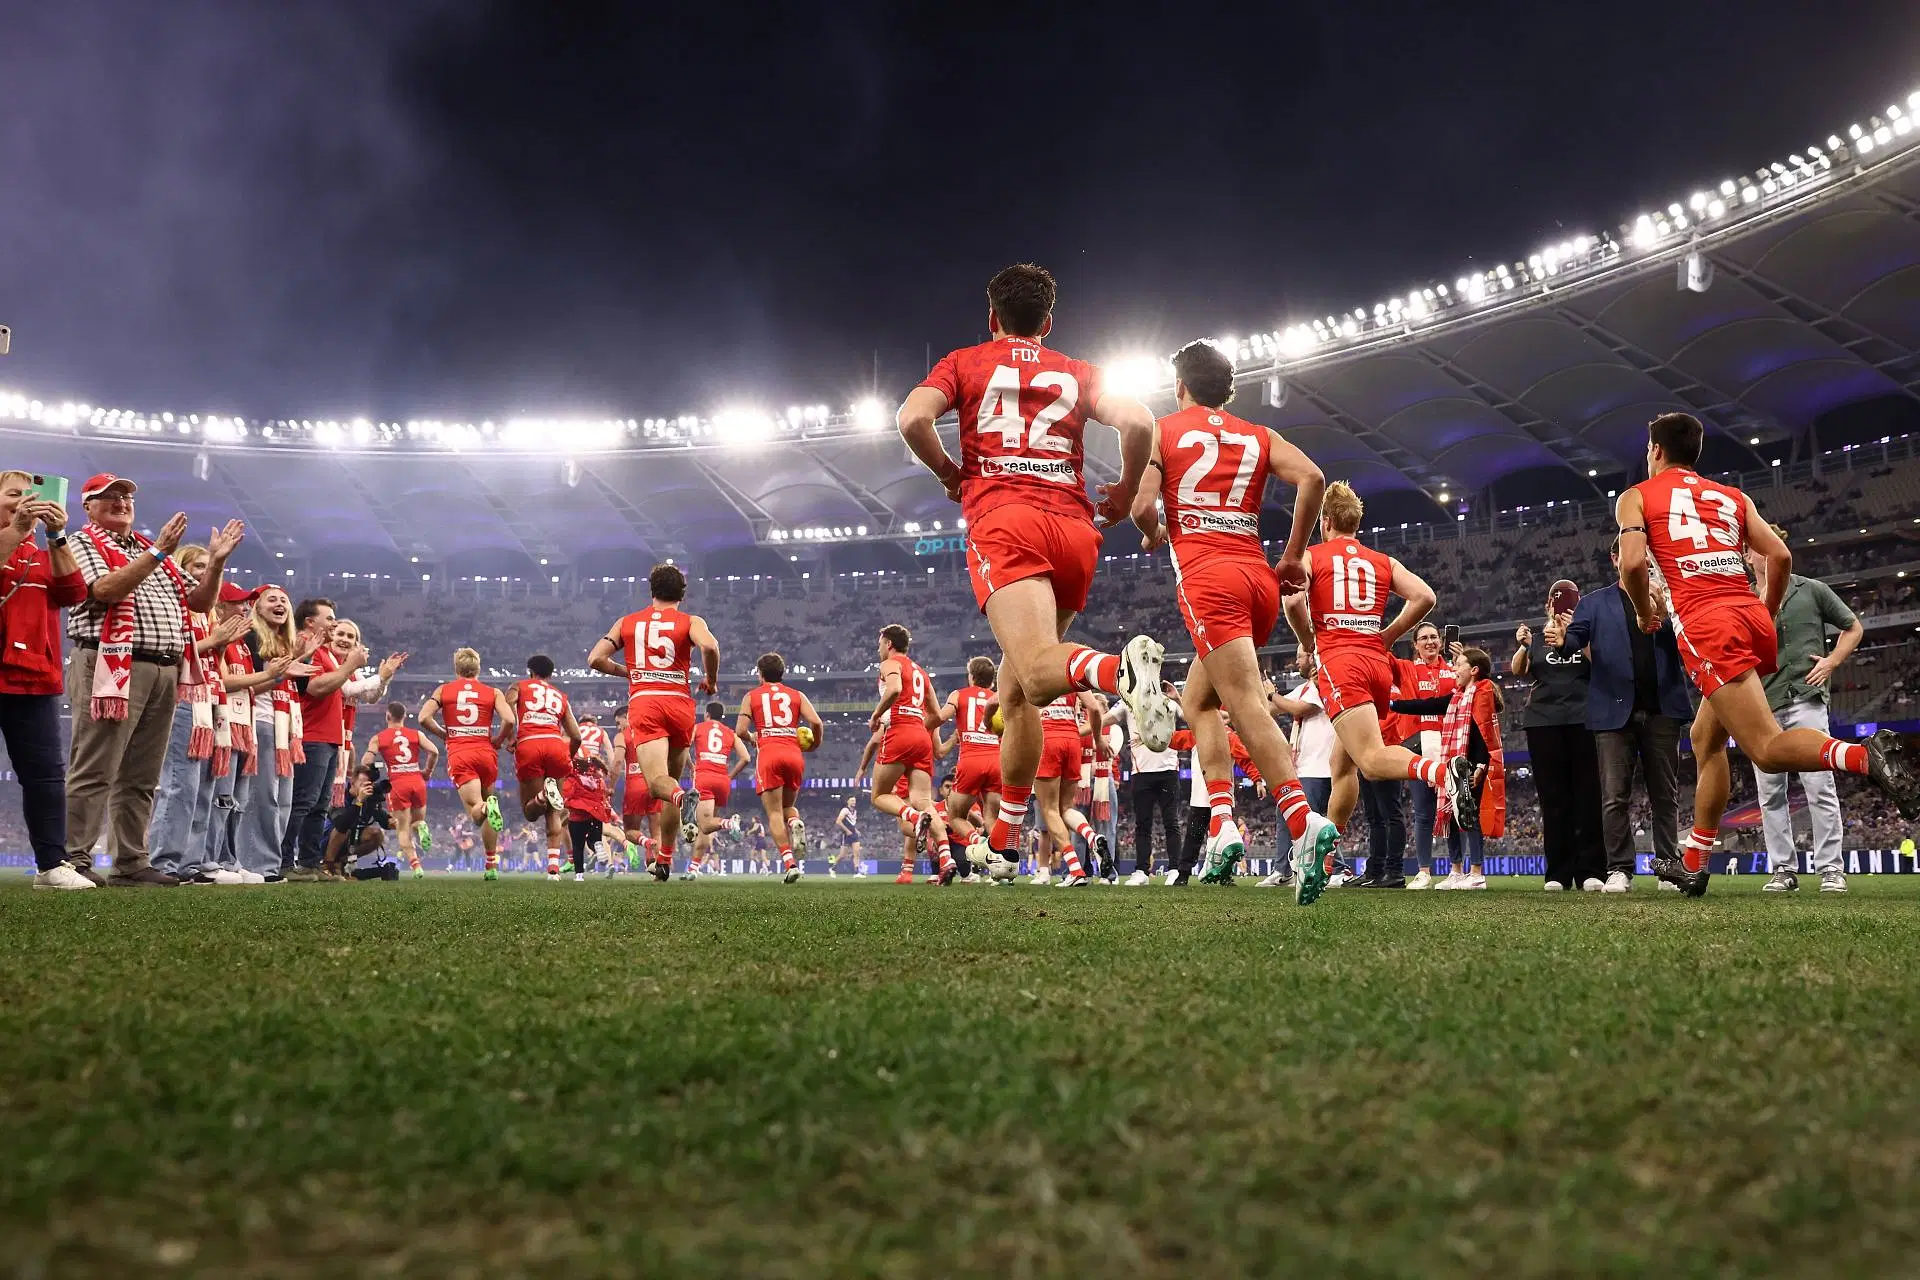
x=1696 y=533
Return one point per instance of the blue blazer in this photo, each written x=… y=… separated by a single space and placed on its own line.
x=1600 y=620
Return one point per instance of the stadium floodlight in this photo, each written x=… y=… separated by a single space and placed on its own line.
x=1865 y=144
x=1698 y=201
x=742 y=426
x=869 y=414
x=862 y=531
x=1135 y=375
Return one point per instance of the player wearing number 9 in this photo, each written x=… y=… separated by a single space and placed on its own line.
x=461 y=713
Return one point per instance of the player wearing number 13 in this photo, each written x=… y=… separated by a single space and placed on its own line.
x=771 y=717
x=1031 y=539
x=1697 y=532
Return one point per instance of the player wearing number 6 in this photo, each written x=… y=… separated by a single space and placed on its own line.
x=1210 y=470
x=771 y=717
x=657 y=645
x=1031 y=539
x=473 y=748
x=1697 y=532
x=543 y=753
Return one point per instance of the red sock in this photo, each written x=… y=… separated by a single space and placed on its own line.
x=493 y=861
x=1843 y=757
x=786 y=858
x=1698 y=845
x=1085 y=831
x=909 y=817
x=1220 y=803
x=1431 y=772
x=946 y=859
x=679 y=793
x=1088 y=669
x=1293 y=807
x=1013 y=815
x=1073 y=862
x=553 y=862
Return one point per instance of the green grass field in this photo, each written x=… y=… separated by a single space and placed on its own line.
x=455 y=1078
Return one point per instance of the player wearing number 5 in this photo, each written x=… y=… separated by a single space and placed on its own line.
x=461 y=712
x=771 y=718
x=543 y=751
x=1696 y=533
x=656 y=645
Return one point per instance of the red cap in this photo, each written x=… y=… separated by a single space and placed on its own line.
x=101 y=483
x=233 y=593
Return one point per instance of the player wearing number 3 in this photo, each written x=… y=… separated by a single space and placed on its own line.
x=1697 y=532
x=473 y=748
x=657 y=645
x=1210 y=470
x=771 y=717
x=1031 y=539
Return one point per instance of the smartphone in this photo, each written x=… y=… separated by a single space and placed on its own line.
x=1449 y=637
x=1564 y=598
x=49 y=489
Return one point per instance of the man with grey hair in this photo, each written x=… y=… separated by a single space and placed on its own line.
x=1797 y=692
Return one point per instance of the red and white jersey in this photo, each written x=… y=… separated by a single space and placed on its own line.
x=1347 y=594
x=712 y=747
x=594 y=741
x=466 y=709
x=1697 y=534
x=1023 y=415
x=1061 y=717
x=975 y=723
x=658 y=644
x=542 y=710
x=911 y=706
x=399 y=749
x=775 y=711
x=1418 y=679
x=1214 y=477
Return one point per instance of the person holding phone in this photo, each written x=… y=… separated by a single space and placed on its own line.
x=1566 y=768
x=35 y=584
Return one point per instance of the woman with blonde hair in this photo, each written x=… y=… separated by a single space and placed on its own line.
x=269 y=657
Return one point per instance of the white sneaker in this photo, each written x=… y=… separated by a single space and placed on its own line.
x=1833 y=882
x=1452 y=881
x=860 y=871
x=1422 y=881
x=1554 y=886
x=1278 y=880
x=1137 y=879
x=249 y=877
x=1173 y=877
x=62 y=876
x=1617 y=882
x=1070 y=882
x=227 y=875
x=1668 y=885
x=1592 y=884
x=1042 y=877
x=579 y=877
x=1472 y=882
x=1139 y=683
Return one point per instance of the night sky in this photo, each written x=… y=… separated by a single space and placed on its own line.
x=395 y=208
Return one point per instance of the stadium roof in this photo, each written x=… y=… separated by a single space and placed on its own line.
x=1529 y=381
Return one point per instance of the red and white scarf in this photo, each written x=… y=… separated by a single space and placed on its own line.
x=285 y=707
x=113 y=663
x=239 y=712
x=1456 y=734
x=199 y=689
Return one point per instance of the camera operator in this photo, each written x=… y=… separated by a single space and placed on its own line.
x=358 y=828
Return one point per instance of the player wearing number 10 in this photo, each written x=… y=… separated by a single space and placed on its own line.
x=1210 y=470
x=1031 y=539
x=1697 y=532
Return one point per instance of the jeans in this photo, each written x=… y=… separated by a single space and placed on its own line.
x=1386 y=828
x=223 y=819
x=1654 y=741
x=1159 y=789
x=1566 y=773
x=1424 y=805
x=1319 y=791
x=177 y=801
x=1475 y=848
x=30 y=722
x=306 y=837
x=1823 y=801
x=264 y=802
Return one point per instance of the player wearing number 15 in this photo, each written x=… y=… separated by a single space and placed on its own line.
x=473 y=747
x=1210 y=470
x=1697 y=532
x=656 y=645
x=1031 y=539
x=770 y=718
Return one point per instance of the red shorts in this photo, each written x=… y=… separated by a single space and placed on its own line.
x=658 y=715
x=978 y=774
x=1724 y=643
x=537 y=758
x=638 y=801
x=1059 y=757
x=908 y=744
x=715 y=786
x=1353 y=677
x=903 y=788
x=779 y=768
x=1016 y=541
x=1226 y=597
x=409 y=792
x=469 y=760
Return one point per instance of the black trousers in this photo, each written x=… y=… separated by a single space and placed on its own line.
x=1386 y=827
x=1159 y=790
x=30 y=722
x=1566 y=773
x=1199 y=818
x=583 y=833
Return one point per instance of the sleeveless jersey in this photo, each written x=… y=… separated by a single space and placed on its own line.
x=1214 y=476
x=1023 y=415
x=593 y=740
x=976 y=730
x=466 y=709
x=542 y=710
x=848 y=822
x=775 y=711
x=1061 y=717
x=399 y=749
x=911 y=706
x=1697 y=534
x=1347 y=594
x=712 y=747
x=658 y=643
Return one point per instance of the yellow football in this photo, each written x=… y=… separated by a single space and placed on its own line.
x=995 y=723
x=805 y=735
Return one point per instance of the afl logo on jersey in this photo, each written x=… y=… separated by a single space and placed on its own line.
x=1690 y=479
x=1352 y=550
x=1215 y=420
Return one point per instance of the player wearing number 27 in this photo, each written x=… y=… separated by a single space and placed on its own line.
x=771 y=717
x=1210 y=470
x=1697 y=532
x=1031 y=539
